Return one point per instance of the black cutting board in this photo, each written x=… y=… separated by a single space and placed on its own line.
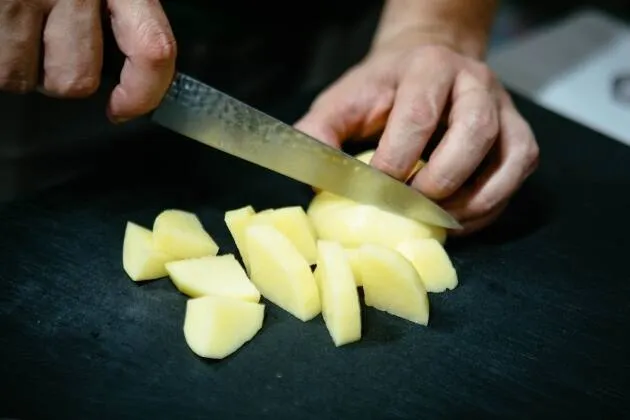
x=538 y=325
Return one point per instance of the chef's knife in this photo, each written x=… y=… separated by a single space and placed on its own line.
x=205 y=114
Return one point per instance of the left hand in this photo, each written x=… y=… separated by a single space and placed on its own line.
x=404 y=91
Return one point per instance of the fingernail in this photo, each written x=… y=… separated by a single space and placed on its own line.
x=116 y=119
x=121 y=120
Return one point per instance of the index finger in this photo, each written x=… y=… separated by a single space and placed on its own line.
x=144 y=35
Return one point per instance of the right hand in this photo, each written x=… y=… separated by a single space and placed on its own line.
x=59 y=44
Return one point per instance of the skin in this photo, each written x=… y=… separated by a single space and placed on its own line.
x=67 y=34
x=425 y=67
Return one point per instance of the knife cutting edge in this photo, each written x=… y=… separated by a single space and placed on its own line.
x=205 y=114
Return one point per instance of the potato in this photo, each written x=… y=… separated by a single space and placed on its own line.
x=141 y=260
x=338 y=294
x=281 y=273
x=353 y=224
x=354 y=259
x=213 y=275
x=217 y=326
x=236 y=221
x=391 y=284
x=293 y=223
x=366 y=157
x=181 y=234
x=432 y=263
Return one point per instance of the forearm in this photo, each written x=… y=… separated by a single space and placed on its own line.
x=462 y=24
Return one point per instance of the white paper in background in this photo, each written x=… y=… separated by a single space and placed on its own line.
x=584 y=93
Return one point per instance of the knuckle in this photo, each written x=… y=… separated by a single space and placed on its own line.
x=422 y=113
x=16 y=81
x=19 y=86
x=482 y=205
x=389 y=165
x=482 y=122
x=434 y=53
x=158 y=45
x=14 y=7
x=442 y=185
x=485 y=75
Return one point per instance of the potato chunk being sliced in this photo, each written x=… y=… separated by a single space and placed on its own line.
x=391 y=284
x=281 y=273
x=181 y=234
x=366 y=157
x=236 y=221
x=432 y=262
x=217 y=326
x=213 y=275
x=338 y=294
x=353 y=224
x=141 y=260
x=293 y=223
x=354 y=259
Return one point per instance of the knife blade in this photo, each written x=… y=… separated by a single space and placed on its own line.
x=207 y=115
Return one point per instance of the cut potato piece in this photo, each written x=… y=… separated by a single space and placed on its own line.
x=141 y=260
x=366 y=157
x=293 y=223
x=281 y=273
x=391 y=284
x=181 y=234
x=354 y=259
x=353 y=224
x=214 y=275
x=236 y=221
x=431 y=261
x=217 y=326
x=338 y=294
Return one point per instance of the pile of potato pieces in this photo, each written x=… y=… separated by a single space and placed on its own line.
x=396 y=261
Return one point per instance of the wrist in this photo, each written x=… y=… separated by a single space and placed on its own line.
x=462 y=25
x=471 y=45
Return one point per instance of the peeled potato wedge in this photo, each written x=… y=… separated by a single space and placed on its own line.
x=391 y=284
x=293 y=223
x=281 y=273
x=216 y=326
x=236 y=221
x=338 y=294
x=431 y=261
x=181 y=234
x=353 y=224
x=354 y=260
x=366 y=157
x=213 y=275
x=141 y=260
